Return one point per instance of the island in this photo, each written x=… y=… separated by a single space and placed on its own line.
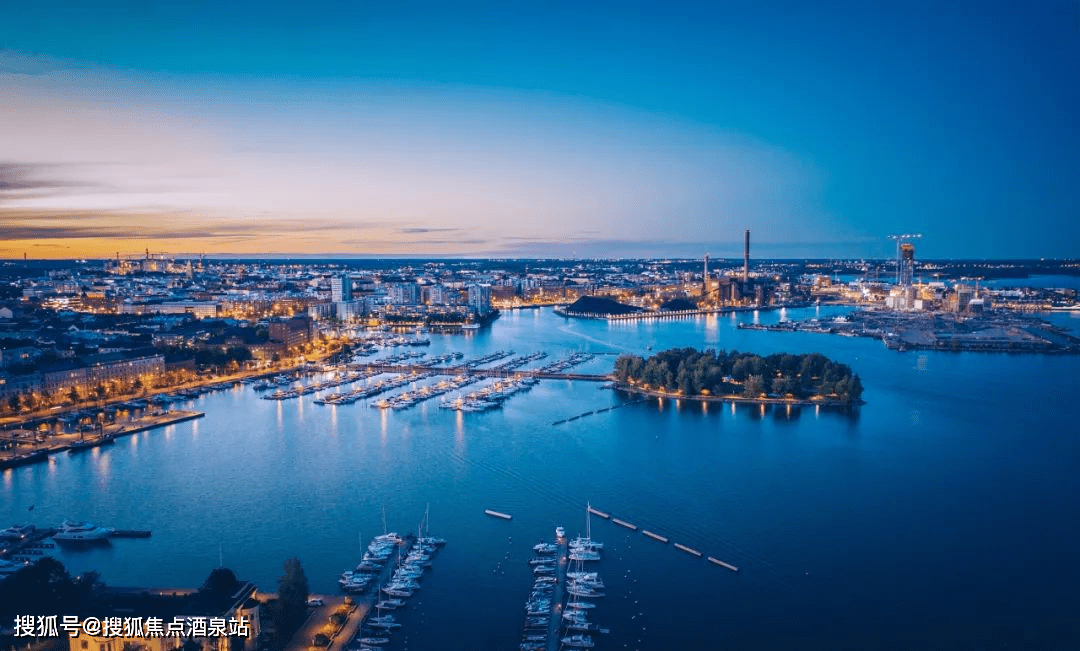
x=597 y=307
x=739 y=377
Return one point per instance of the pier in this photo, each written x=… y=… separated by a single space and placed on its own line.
x=656 y=315
x=130 y=533
x=28 y=546
x=559 y=597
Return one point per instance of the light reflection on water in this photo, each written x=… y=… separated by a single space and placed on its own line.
x=817 y=512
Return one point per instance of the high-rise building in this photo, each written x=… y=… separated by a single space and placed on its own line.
x=480 y=299
x=341 y=289
x=907 y=263
x=438 y=295
x=405 y=294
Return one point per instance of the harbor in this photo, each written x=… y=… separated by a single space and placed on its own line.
x=512 y=460
x=41 y=447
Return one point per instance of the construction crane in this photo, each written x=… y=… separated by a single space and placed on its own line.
x=901 y=240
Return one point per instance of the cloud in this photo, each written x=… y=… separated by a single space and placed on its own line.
x=19 y=180
x=418 y=230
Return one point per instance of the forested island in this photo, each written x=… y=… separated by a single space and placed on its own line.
x=722 y=375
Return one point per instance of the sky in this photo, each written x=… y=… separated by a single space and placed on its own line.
x=542 y=128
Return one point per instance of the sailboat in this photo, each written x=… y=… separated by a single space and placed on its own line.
x=587 y=544
x=426 y=539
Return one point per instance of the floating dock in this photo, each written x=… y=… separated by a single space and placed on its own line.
x=130 y=533
x=688 y=550
x=657 y=537
x=654 y=536
x=717 y=561
x=497 y=514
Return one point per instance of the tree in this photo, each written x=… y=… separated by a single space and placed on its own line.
x=45 y=588
x=291 y=608
x=74 y=394
x=753 y=386
x=15 y=401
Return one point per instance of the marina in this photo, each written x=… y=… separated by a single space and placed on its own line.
x=557 y=613
x=388 y=574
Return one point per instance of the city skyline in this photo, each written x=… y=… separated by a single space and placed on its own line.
x=494 y=131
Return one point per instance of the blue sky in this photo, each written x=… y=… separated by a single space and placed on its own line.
x=540 y=128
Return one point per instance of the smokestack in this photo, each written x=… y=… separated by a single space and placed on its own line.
x=746 y=255
x=705 y=277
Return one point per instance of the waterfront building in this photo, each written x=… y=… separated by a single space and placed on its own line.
x=222 y=598
x=480 y=299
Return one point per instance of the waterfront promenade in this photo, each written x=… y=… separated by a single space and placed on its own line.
x=33 y=450
x=319 y=621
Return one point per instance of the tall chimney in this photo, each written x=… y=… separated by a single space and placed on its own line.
x=746 y=255
x=705 y=277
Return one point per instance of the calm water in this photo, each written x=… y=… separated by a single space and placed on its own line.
x=942 y=515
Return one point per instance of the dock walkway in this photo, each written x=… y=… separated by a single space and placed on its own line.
x=558 y=598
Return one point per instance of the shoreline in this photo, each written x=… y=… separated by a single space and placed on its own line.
x=803 y=402
x=43 y=452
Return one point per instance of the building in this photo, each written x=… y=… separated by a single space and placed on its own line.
x=404 y=294
x=341 y=289
x=907 y=263
x=350 y=310
x=439 y=295
x=320 y=311
x=290 y=332
x=222 y=611
x=198 y=309
x=101 y=369
x=480 y=299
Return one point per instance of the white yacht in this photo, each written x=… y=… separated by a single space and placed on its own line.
x=81 y=532
x=560 y=533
